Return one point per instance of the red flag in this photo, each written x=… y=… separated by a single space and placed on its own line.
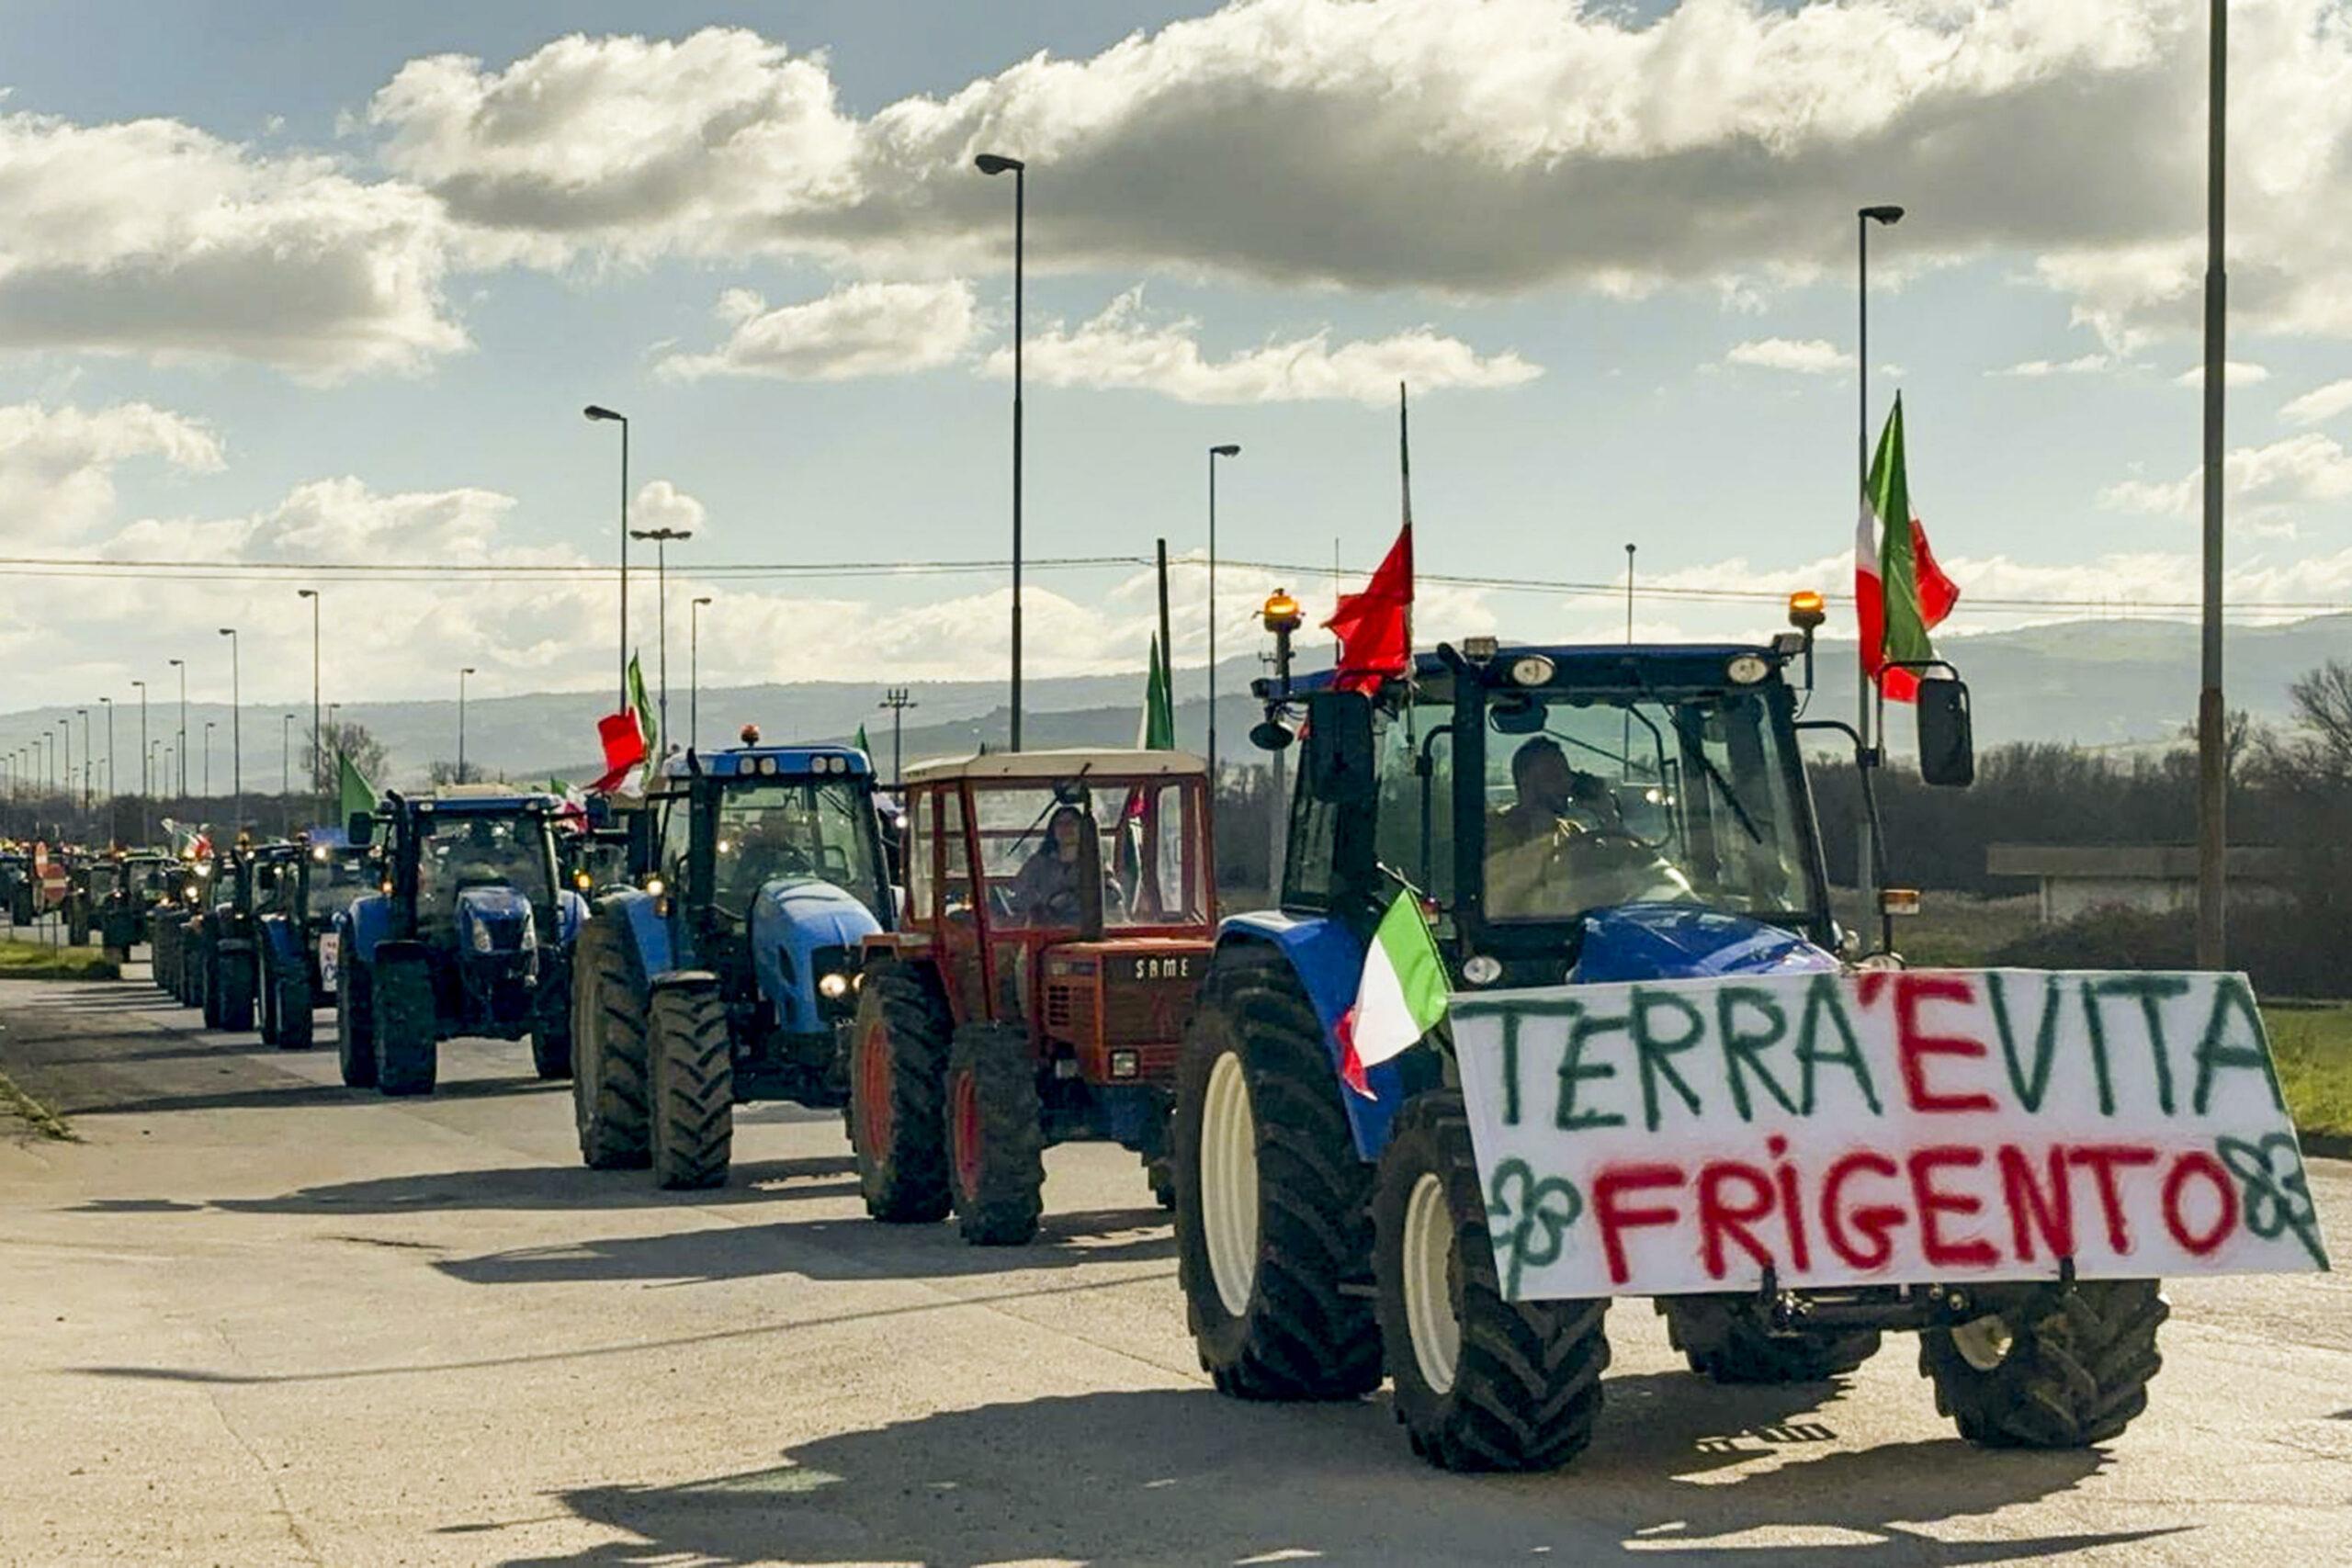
x=1375 y=626
x=624 y=749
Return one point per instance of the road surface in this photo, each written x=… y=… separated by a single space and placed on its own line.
x=255 y=1317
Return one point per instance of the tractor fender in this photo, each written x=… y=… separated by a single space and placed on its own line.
x=367 y=923
x=276 y=935
x=648 y=941
x=682 y=979
x=791 y=919
x=1327 y=958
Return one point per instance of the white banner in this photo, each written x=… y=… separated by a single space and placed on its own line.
x=1880 y=1128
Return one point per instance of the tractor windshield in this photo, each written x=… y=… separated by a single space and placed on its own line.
x=775 y=828
x=1147 y=831
x=334 y=881
x=469 y=850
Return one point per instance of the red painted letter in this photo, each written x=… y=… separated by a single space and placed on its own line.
x=1914 y=1047
x=1614 y=1218
x=1719 y=1217
x=1939 y=1250
x=2197 y=1162
x=1873 y=1220
x=2049 y=1210
x=2103 y=1160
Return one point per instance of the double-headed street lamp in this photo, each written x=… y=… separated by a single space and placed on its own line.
x=994 y=164
x=661 y=539
x=598 y=411
x=461 y=721
x=694 y=671
x=1167 y=656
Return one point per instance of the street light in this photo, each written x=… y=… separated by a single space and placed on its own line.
x=992 y=164
x=598 y=411
x=694 y=671
x=208 y=756
x=65 y=774
x=181 y=665
x=461 y=721
x=236 y=730
x=318 y=773
x=107 y=704
x=1230 y=449
x=85 y=714
x=662 y=538
x=1864 y=217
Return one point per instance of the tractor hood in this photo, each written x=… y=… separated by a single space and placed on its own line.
x=493 y=919
x=1679 y=942
x=795 y=921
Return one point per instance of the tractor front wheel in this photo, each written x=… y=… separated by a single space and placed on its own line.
x=897 y=1084
x=608 y=1096
x=996 y=1141
x=1727 y=1339
x=354 y=1024
x=1482 y=1382
x=551 y=1026
x=232 y=977
x=407 y=1058
x=266 y=1000
x=291 y=991
x=2044 y=1368
x=693 y=1086
x=1273 y=1220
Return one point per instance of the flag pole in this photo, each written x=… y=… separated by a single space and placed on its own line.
x=1405 y=490
x=1167 y=649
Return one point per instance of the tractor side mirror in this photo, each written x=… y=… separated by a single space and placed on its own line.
x=1338 y=762
x=359 y=827
x=1946 y=736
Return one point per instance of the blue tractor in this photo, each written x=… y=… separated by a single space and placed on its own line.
x=1565 y=815
x=470 y=933
x=295 y=931
x=732 y=972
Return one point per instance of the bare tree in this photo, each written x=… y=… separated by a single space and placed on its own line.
x=353 y=741
x=2322 y=700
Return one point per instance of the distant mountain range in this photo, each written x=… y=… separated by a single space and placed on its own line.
x=2090 y=682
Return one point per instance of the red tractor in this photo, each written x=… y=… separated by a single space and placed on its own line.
x=1061 y=910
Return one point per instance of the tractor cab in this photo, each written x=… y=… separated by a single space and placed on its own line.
x=1059 y=912
x=314 y=880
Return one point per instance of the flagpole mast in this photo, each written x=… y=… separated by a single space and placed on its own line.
x=1867 y=753
x=1405 y=494
x=1167 y=651
x=2212 y=777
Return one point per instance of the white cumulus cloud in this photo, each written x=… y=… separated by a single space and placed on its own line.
x=2319 y=405
x=2266 y=486
x=1803 y=356
x=2035 y=369
x=57 y=465
x=859 y=329
x=2234 y=373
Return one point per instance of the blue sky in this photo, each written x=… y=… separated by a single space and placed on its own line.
x=1622 y=211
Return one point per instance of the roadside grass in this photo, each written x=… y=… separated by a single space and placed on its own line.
x=35 y=961
x=2313 y=1048
x=38 y=1117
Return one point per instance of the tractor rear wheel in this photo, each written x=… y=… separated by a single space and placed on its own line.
x=896 y=1085
x=1725 y=1338
x=608 y=1093
x=1482 y=1382
x=407 y=1055
x=1273 y=1219
x=355 y=1023
x=2045 y=1368
x=232 y=977
x=996 y=1141
x=691 y=1079
x=552 y=1022
x=291 y=999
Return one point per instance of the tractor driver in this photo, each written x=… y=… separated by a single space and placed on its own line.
x=1556 y=806
x=488 y=852
x=1045 y=892
x=768 y=849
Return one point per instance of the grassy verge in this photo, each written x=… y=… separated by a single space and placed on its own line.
x=2312 y=1047
x=36 y=1115
x=34 y=961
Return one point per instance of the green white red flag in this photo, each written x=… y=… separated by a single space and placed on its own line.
x=1400 y=997
x=1900 y=593
x=630 y=739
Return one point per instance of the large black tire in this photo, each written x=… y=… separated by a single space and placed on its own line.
x=898 y=1086
x=1727 y=1339
x=297 y=1025
x=232 y=978
x=209 y=988
x=1481 y=1383
x=551 y=1021
x=608 y=1023
x=1287 y=1314
x=691 y=1075
x=355 y=1023
x=996 y=1139
x=407 y=1055
x=266 y=997
x=2074 y=1369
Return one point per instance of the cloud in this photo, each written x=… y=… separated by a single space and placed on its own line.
x=1121 y=347
x=150 y=237
x=57 y=465
x=2319 y=405
x=1803 y=356
x=860 y=329
x=1470 y=146
x=2234 y=373
x=2081 y=365
x=2266 y=485
x=661 y=505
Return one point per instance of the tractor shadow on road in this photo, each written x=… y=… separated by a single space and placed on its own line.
x=1186 y=1476
x=294 y=1094
x=552 y=1187
x=825 y=1249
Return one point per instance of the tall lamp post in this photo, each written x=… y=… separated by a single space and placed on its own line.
x=107 y=704
x=1865 y=850
x=994 y=164
x=598 y=411
x=461 y=721
x=181 y=665
x=318 y=740
x=897 y=699
x=146 y=761
x=236 y=728
x=661 y=539
x=2212 y=719
x=1229 y=449
x=208 y=756
x=83 y=713
x=65 y=775
x=694 y=671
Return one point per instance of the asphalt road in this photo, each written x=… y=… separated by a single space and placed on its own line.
x=253 y=1317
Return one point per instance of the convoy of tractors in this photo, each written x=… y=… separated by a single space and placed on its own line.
x=1021 y=949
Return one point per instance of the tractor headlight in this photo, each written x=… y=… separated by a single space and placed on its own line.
x=1534 y=669
x=480 y=938
x=832 y=987
x=653 y=885
x=1482 y=969
x=1746 y=668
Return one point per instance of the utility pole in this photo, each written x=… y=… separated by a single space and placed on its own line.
x=897 y=699
x=2213 y=716
x=994 y=164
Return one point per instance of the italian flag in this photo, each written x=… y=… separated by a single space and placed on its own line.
x=1400 y=997
x=630 y=738
x=1900 y=593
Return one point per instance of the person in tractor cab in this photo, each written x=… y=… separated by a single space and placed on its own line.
x=769 y=848
x=485 y=852
x=1045 y=891
x=1561 y=846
